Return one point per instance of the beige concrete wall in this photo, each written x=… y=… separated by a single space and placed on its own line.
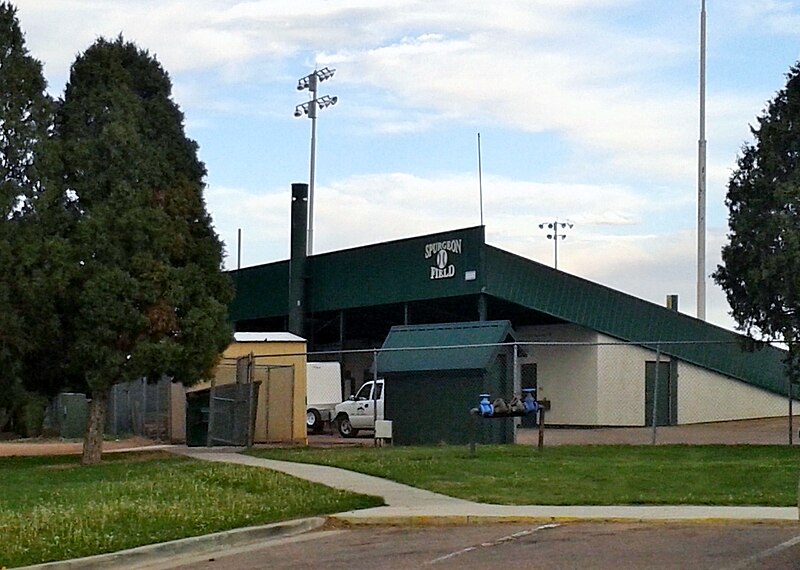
x=566 y=375
x=281 y=376
x=621 y=383
x=704 y=396
x=605 y=384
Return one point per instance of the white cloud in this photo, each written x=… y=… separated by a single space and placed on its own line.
x=537 y=66
x=773 y=16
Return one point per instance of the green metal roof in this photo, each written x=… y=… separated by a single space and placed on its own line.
x=415 y=270
x=474 y=346
x=533 y=285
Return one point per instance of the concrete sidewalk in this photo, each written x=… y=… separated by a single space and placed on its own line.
x=404 y=506
x=409 y=505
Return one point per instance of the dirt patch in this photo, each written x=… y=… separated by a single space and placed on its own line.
x=60 y=447
x=763 y=431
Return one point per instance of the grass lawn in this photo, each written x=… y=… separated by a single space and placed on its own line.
x=580 y=475
x=53 y=508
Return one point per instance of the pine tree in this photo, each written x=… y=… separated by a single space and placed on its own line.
x=25 y=123
x=761 y=263
x=151 y=297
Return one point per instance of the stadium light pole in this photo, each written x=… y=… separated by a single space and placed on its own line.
x=701 y=175
x=555 y=236
x=310 y=109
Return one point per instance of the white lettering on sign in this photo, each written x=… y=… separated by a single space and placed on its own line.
x=442 y=250
x=453 y=245
x=445 y=273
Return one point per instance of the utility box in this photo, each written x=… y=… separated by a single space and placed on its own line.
x=433 y=375
x=383 y=429
x=73 y=414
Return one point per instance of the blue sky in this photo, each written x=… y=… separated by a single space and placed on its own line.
x=587 y=109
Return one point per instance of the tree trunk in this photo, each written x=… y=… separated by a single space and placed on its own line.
x=93 y=440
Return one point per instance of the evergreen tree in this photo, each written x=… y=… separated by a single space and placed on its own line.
x=150 y=294
x=25 y=121
x=761 y=263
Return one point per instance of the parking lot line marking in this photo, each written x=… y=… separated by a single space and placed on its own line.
x=766 y=553
x=498 y=542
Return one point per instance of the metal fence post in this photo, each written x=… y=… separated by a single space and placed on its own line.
x=789 y=383
x=540 y=442
x=212 y=394
x=655 y=393
x=471 y=435
x=516 y=389
x=158 y=409
x=114 y=396
x=143 y=427
x=789 y=391
x=267 y=402
x=251 y=417
x=375 y=395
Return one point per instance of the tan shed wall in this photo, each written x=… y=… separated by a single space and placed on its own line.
x=281 y=410
x=177 y=417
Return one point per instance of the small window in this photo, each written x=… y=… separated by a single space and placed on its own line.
x=379 y=392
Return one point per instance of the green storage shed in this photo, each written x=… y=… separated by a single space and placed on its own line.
x=429 y=392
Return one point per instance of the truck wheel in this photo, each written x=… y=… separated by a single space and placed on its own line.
x=345 y=427
x=313 y=421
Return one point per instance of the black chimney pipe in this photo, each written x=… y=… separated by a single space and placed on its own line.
x=298 y=260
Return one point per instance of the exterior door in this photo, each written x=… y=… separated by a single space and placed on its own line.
x=364 y=416
x=661 y=395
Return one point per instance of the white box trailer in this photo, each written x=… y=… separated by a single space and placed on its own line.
x=323 y=393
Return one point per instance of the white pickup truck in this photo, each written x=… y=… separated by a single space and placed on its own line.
x=359 y=412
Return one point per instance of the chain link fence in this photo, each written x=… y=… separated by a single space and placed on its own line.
x=594 y=392
x=140 y=408
x=250 y=399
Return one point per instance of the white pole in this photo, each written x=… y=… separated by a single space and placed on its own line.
x=480 y=176
x=555 y=245
x=701 y=175
x=312 y=113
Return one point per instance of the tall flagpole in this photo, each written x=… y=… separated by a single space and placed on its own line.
x=701 y=175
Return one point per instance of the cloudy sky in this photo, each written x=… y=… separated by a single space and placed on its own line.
x=587 y=112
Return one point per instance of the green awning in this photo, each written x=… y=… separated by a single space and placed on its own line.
x=464 y=346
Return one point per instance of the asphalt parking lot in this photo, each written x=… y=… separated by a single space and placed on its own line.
x=601 y=546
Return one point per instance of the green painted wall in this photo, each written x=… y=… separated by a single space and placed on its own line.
x=261 y=291
x=433 y=408
x=426 y=267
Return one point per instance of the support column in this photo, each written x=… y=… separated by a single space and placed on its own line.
x=483 y=309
